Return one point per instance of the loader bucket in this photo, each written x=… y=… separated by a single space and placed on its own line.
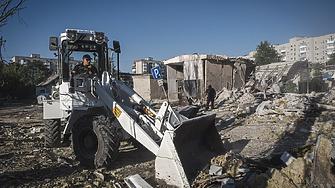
x=186 y=151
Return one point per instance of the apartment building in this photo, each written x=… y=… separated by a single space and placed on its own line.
x=249 y=56
x=49 y=62
x=144 y=66
x=313 y=49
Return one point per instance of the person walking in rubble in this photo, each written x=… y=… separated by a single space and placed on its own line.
x=210 y=93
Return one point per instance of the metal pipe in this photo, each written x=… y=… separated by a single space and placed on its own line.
x=118 y=66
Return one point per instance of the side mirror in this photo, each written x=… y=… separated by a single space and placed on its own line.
x=53 y=44
x=116 y=46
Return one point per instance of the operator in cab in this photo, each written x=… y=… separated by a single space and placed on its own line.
x=85 y=67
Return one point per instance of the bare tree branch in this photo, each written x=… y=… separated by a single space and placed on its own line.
x=9 y=8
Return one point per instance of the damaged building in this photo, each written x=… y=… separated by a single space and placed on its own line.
x=190 y=75
x=300 y=73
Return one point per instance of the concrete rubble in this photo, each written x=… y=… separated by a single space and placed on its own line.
x=270 y=142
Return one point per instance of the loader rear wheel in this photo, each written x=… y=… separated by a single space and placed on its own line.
x=95 y=141
x=52 y=133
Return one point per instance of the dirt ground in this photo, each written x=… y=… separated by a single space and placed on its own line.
x=25 y=162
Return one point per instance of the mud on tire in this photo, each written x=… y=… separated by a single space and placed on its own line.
x=52 y=133
x=95 y=141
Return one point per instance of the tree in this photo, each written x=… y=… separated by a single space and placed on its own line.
x=16 y=78
x=331 y=61
x=10 y=81
x=266 y=54
x=8 y=8
x=34 y=73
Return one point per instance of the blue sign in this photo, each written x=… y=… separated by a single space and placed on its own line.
x=156 y=72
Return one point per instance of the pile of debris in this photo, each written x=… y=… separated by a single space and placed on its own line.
x=302 y=167
x=286 y=140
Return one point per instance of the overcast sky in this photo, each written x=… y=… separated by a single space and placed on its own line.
x=163 y=29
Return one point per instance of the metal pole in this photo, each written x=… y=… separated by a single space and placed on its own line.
x=167 y=98
x=118 y=66
x=307 y=77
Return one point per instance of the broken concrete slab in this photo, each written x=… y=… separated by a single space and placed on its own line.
x=227 y=183
x=264 y=109
x=299 y=171
x=294 y=175
x=215 y=170
x=287 y=158
x=135 y=181
x=324 y=172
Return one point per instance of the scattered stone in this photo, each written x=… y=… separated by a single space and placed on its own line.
x=264 y=109
x=99 y=175
x=287 y=158
x=227 y=183
x=135 y=181
x=215 y=170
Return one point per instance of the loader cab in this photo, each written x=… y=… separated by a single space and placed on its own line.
x=75 y=43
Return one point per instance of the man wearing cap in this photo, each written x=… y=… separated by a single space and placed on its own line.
x=85 y=67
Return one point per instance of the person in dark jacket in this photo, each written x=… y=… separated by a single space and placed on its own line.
x=85 y=67
x=210 y=93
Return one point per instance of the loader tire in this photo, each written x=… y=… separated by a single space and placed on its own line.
x=95 y=141
x=52 y=133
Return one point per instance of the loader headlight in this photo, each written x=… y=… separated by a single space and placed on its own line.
x=55 y=95
x=71 y=34
x=99 y=37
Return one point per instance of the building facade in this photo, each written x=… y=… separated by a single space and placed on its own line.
x=144 y=66
x=146 y=86
x=189 y=75
x=312 y=49
x=51 y=64
x=249 y=56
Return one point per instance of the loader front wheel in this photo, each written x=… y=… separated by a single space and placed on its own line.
x=95 y=141
x=52 y=133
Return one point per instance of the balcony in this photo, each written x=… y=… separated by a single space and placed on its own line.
x=304 y=50
x=283 y=51
x=330 y=52
x=330 y=41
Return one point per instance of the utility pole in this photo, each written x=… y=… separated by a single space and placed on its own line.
x=307 y=77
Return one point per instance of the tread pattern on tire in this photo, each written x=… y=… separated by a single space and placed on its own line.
x=52 y=133
x=109 y=143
